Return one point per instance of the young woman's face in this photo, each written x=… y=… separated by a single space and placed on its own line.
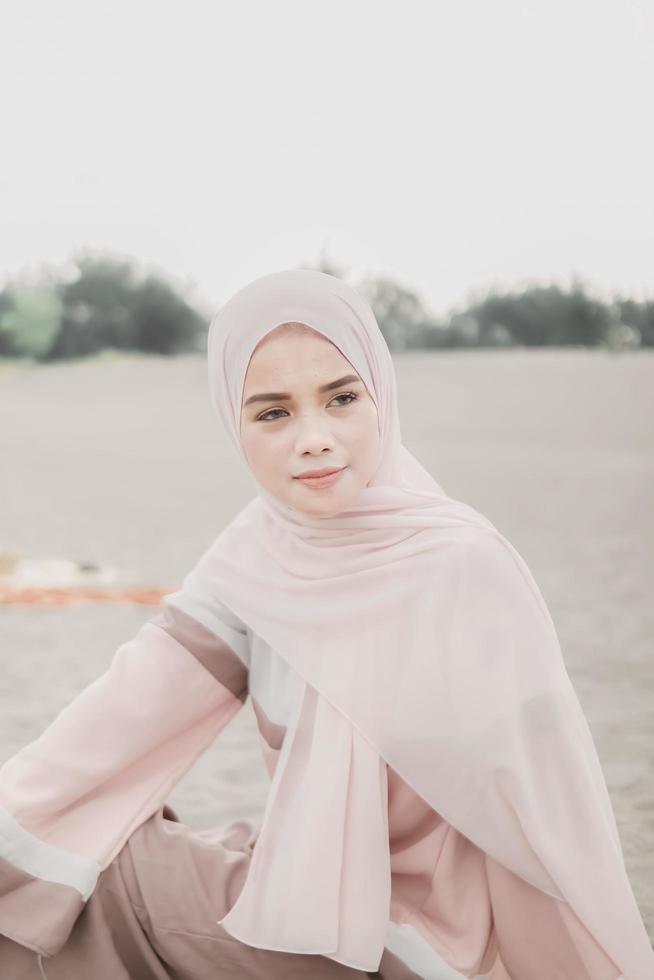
x=290 y=426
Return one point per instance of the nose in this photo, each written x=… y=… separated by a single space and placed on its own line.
x=312 y=435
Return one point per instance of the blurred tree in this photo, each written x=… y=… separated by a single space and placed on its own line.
x=589 y=319
x=399 y=311
x=640 y=316
x=6 y=338
x=541 y=315
x=30 y=317
x=463 y=331
x=164 y=323
x=106 y=305
x=97 y=308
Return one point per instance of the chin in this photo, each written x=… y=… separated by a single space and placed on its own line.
x=326 y=507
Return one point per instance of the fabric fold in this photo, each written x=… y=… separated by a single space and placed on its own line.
x=319 y=879
x=480 y=718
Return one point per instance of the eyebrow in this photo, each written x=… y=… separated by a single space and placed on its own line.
x=279 y=396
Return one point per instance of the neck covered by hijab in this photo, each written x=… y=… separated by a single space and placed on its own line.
x=424 y=644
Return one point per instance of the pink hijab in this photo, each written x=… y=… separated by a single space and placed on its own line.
x=425 y=644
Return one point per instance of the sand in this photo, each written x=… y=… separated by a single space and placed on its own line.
x=120 y=461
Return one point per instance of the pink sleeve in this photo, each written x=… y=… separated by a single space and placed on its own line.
x=70 y=799
x=478 y=916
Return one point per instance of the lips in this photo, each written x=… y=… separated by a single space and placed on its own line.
x=320 y=482
x=314 y=474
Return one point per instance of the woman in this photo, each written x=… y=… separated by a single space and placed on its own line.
x=437 y=807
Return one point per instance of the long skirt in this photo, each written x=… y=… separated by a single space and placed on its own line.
x=153 y=912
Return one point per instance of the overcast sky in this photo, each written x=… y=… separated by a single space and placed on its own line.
x=451 y=145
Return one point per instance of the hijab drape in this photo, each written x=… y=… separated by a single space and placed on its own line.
x=425 y=644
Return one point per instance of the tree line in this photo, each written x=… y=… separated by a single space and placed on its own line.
x=96 y=303
x=101 y=302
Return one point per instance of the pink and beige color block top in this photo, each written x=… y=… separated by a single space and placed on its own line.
x=69 y=801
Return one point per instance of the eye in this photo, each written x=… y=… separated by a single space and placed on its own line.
x=346 y=394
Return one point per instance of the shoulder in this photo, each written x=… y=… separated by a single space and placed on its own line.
x=486 y=551
x=208 y=610
x=496 y=582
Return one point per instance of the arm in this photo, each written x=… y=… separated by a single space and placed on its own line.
x=441 y=880
x=70 y=799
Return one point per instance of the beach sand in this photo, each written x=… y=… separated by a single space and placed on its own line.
x=119 y=460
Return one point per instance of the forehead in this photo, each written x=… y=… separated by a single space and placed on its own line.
x=295 y=351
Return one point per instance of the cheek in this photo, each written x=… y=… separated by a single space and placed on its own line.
x=366 y=435
x=262 y=451
x=362 y=449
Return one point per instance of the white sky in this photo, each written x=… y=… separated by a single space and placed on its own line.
x=450 y=144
